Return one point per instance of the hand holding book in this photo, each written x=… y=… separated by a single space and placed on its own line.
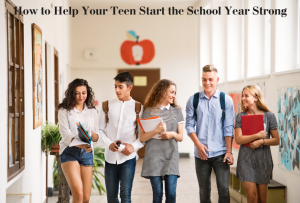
x=253 y=125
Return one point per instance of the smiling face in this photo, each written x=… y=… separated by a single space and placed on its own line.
x=209 y=81
x=122 y=90
x=170 y=95
x=81 y=94
x=248 y=99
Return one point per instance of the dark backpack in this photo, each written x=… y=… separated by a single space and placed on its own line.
x=222 y=103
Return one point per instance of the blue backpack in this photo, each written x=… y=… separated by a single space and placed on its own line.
x=222 y=103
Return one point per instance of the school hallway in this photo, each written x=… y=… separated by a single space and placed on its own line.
x=187 y=186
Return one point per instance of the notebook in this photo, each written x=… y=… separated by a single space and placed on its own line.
x=149 y=124
x=252 y=124
x=83 y=134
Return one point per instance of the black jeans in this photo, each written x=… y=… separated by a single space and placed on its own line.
x=222 y=171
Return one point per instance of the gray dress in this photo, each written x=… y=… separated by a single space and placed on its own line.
x=162 y=156
x=256 y=165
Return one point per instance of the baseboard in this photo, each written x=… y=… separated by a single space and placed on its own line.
x=184 y=155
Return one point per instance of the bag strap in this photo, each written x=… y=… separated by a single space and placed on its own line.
x=138 y=107
x=222 y=103
x=195 y=104
x=105 y=110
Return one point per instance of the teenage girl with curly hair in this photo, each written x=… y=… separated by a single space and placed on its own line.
x=161 y=161
x=77 y=161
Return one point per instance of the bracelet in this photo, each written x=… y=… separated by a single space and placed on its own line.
x=263 y=142
x=229 y=152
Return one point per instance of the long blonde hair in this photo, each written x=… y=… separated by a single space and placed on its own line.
x=256 y=92
x=158 y=93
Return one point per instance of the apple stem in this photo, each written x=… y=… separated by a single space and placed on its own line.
x=137 y=39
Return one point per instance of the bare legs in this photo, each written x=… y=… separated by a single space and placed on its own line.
x=79 y=179
x=256 y=193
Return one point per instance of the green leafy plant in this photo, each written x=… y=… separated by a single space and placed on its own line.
x=98 y=161
x=56 y=175
x=50 y=135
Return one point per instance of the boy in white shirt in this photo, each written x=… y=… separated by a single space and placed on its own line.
x=120 y=126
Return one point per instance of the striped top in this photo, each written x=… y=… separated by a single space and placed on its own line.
x=162 y=156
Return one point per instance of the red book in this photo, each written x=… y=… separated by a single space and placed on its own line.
x=252 y=124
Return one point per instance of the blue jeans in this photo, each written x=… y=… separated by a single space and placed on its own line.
x=116 y=173
x=222 y=171
x=77 y=154
x=170 y=187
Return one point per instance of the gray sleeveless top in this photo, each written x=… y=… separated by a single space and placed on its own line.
x=256 y=165
x=162 y=156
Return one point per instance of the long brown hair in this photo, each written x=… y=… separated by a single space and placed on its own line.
x=158 y=93
x=256 y=92
x=69 y=101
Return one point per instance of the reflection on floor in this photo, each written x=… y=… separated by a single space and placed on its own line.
x=187 y=188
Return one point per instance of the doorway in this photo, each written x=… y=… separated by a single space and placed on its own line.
x=56 y=85
x=143 y=79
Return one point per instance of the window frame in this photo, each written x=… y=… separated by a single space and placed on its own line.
x=16 y=64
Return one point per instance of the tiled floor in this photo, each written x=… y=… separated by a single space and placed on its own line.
x=187 y=187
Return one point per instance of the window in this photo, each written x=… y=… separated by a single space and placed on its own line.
x=255 y=41
x=15 y=105
x=235 y=43
x=205 y=41
x=286 y=29
x=218 y=42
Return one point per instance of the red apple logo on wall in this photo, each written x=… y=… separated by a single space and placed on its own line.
x=135 y=52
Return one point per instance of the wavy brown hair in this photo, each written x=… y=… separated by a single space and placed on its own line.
x=158 y=93
x=256 y=92
x=69 y=101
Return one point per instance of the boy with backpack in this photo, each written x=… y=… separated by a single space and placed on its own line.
x=118 y=129
x=212 y=112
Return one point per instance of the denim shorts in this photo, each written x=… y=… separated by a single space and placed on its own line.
x=77 y=154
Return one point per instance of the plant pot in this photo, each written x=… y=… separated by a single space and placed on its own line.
x=55 y=148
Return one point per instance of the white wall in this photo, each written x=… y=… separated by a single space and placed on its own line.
x=176 y=51
x=55 y=31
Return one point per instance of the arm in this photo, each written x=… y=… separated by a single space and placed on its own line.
x=147 y=136
x=273 y=131
x=228 y=154
x=64 y=128
x=228 y=128
x=176 y=135
x=171 y=134
x=244 y=139
x=190 y=128
x=239 y=138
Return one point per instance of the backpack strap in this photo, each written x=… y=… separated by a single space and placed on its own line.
x=138 y=107
x=222 y=103
x=105 y=110
x=195 y=104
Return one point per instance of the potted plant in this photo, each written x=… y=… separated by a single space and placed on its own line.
x=50 y=137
